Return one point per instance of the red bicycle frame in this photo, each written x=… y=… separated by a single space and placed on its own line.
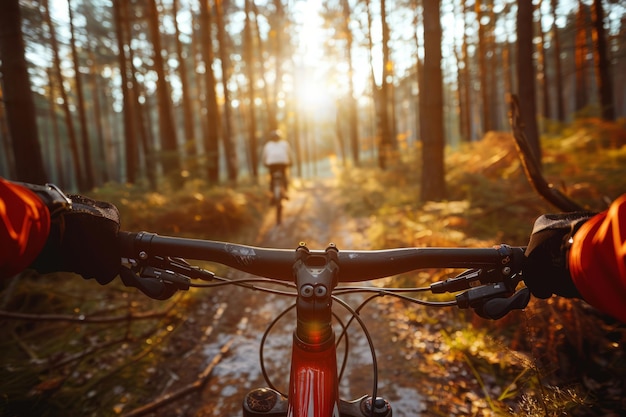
x=156 y=267
x=313 y=390
x=313 y=383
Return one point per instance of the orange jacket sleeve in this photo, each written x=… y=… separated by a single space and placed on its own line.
x=24 y=227
x=597 y=260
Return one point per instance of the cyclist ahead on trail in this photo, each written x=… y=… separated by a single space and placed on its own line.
x=581 y=255
x=277 y=154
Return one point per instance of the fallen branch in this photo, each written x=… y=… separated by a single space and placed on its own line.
x=82 y=319
x=169 y=398
x=531 y=165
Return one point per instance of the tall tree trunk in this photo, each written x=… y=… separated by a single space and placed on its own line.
x=279 y=32
x=190 y=136
x=352 y=105
x=526 y=75
x=7 y=162
x=582 y=95
x=495 y=96
x=82 y=117
x=433 y=186
x=199 y=96
x=141 y=114
x=248 y=52
x=463 y=80
x=506 y=67
x=146 y=134
x=507 y=59
x=419 y=70
x=602 y=62
x=170 y=157
x=270 y=103
x=71 y=134
x=211 y=145
x=558 y=78
x=386 y=130
x=543 y=67
x=375 y=92
x=483 y=69
x=130 y=143
x=97 y=115
x=228 y=139
x=57 y=146
x=18 y=98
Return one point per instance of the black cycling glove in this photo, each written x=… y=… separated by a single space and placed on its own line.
x=83 y=236
x=546 y=271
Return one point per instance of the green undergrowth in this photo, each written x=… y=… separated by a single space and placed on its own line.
x=558 y=356
x=57 y=360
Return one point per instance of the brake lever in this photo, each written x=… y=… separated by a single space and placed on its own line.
x=149 y=285
x=160 y=277
x=181 y=267
x=493 y=301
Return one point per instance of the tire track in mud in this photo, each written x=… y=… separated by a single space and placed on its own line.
x=311 y=215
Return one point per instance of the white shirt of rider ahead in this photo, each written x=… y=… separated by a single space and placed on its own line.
x=276 y=152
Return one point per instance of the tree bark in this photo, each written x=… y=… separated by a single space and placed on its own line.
x=386 y=125
x=433 y=185
x=57 y=146
x=543 y=67
x=82 y=116
x=483 y=70
x=69 y=122
x=582 y=88
x=602 y=63
x=270 y=103
x=100 y=169
x=560 y=105
x=464 y=80
x=211 y=145
x=130 y=143
x=526 y=75
x=352 y=107
x=18 y=98
x=228 y=140
x=248 y=52
x=170 y=156
x=190 y=136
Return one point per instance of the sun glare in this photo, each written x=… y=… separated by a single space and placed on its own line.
x=313 y=95
x=313 y=90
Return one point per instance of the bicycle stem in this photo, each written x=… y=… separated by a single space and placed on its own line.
x=313 y=385
x=316 y=278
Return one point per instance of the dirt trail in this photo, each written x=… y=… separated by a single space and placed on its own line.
x=238 y=317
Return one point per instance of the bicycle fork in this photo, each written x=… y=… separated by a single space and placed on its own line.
x=313 y=390
x=313 y=384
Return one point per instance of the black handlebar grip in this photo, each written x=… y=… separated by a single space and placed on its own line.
x=127 y=244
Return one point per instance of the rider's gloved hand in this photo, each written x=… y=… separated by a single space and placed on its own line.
x=545 y=271
x=83 y=236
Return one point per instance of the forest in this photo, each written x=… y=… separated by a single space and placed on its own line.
x=398 y=114
x=136 y=91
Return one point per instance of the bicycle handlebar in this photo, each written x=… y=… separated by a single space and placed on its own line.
x=354 y=266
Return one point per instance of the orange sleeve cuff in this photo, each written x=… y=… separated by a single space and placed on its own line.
x=24 y=227
x=597 y=260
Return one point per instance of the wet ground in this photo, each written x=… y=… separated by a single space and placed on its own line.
x=221 y=340
x=226 y=332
